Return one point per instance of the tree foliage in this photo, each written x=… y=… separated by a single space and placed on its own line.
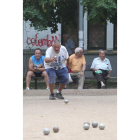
x=101 y=10
x=48 y=13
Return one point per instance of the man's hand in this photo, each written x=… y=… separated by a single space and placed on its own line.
x=81 y=73
x=108 y=76
x=54 y=59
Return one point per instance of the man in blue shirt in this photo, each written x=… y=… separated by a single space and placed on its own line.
x=36 y=68
x=70 y=45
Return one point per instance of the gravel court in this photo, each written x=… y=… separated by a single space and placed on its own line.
x=39 y=112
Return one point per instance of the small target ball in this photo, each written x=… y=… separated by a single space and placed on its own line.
x=66 y=101
x=46 y=131
x=102 y=126
x=55 y=129
x=86 y=126
x=87 y=123
x=94 y=124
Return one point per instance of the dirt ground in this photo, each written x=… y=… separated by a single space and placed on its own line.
x=39 y=112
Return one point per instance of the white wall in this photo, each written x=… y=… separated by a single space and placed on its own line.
x=43 y=38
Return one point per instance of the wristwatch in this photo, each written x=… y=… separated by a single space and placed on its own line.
x=35 y=68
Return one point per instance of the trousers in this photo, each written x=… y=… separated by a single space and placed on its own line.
x=100 y=77
x=81 y=79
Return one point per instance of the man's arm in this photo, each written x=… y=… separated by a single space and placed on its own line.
x=94 y=69
x=83 y=70
x=84 y=67
x=93 y=66
x=109 y=74
x=31 y=68
x=49 y=60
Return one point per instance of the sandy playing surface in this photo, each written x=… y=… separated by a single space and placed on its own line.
x=39 y=112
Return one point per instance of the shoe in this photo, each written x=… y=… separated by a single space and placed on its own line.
x=59 y=96
x=102 y=84
x=27 y=88
x=47 y=88
x=51 y=96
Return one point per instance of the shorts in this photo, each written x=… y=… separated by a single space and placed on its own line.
x=61 y=74
x=37 y=74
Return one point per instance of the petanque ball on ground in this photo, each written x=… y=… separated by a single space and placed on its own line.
x=46 y=131
x=66 y=101
x=55 y=129
x=86 y=126
x=102 y=126
x=94 y=124
x=87 y=123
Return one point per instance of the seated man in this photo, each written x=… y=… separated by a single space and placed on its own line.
x=70 y=45
x=77 y=64
x=55 y=67
x=103 y=64
x=36 y=68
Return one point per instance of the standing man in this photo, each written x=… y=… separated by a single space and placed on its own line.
x=103 y=64
x=36 y=68
x=77 y=64
x=55 y=67
x=70 y=45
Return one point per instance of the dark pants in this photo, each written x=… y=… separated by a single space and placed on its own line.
x=100 y=77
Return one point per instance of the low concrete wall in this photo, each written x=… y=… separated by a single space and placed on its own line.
x=73 y=92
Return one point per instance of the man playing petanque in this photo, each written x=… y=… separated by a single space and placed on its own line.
x=55 y=67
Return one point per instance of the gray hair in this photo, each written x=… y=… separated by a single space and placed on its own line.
x=56 y=41
x=77 y=50
x=101 y=51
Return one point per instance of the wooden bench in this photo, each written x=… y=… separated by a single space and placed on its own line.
x=75 y=79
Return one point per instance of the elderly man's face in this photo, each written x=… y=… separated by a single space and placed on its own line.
x=56 y=47
x=37 y=54
x=102 y=55
x=80 y=53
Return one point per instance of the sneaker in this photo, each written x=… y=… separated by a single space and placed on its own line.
x=27 y=88
x=51 y=96
x=102 y=84
x=59 y=96
x=47 y=88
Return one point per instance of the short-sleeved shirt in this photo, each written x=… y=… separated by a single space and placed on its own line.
x=98 y=64
x=76 y=63
x=38 y=63
x=61 y=57
x=69 y=45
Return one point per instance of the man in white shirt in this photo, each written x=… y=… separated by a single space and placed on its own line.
x=103 y=64
x=55 y=67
